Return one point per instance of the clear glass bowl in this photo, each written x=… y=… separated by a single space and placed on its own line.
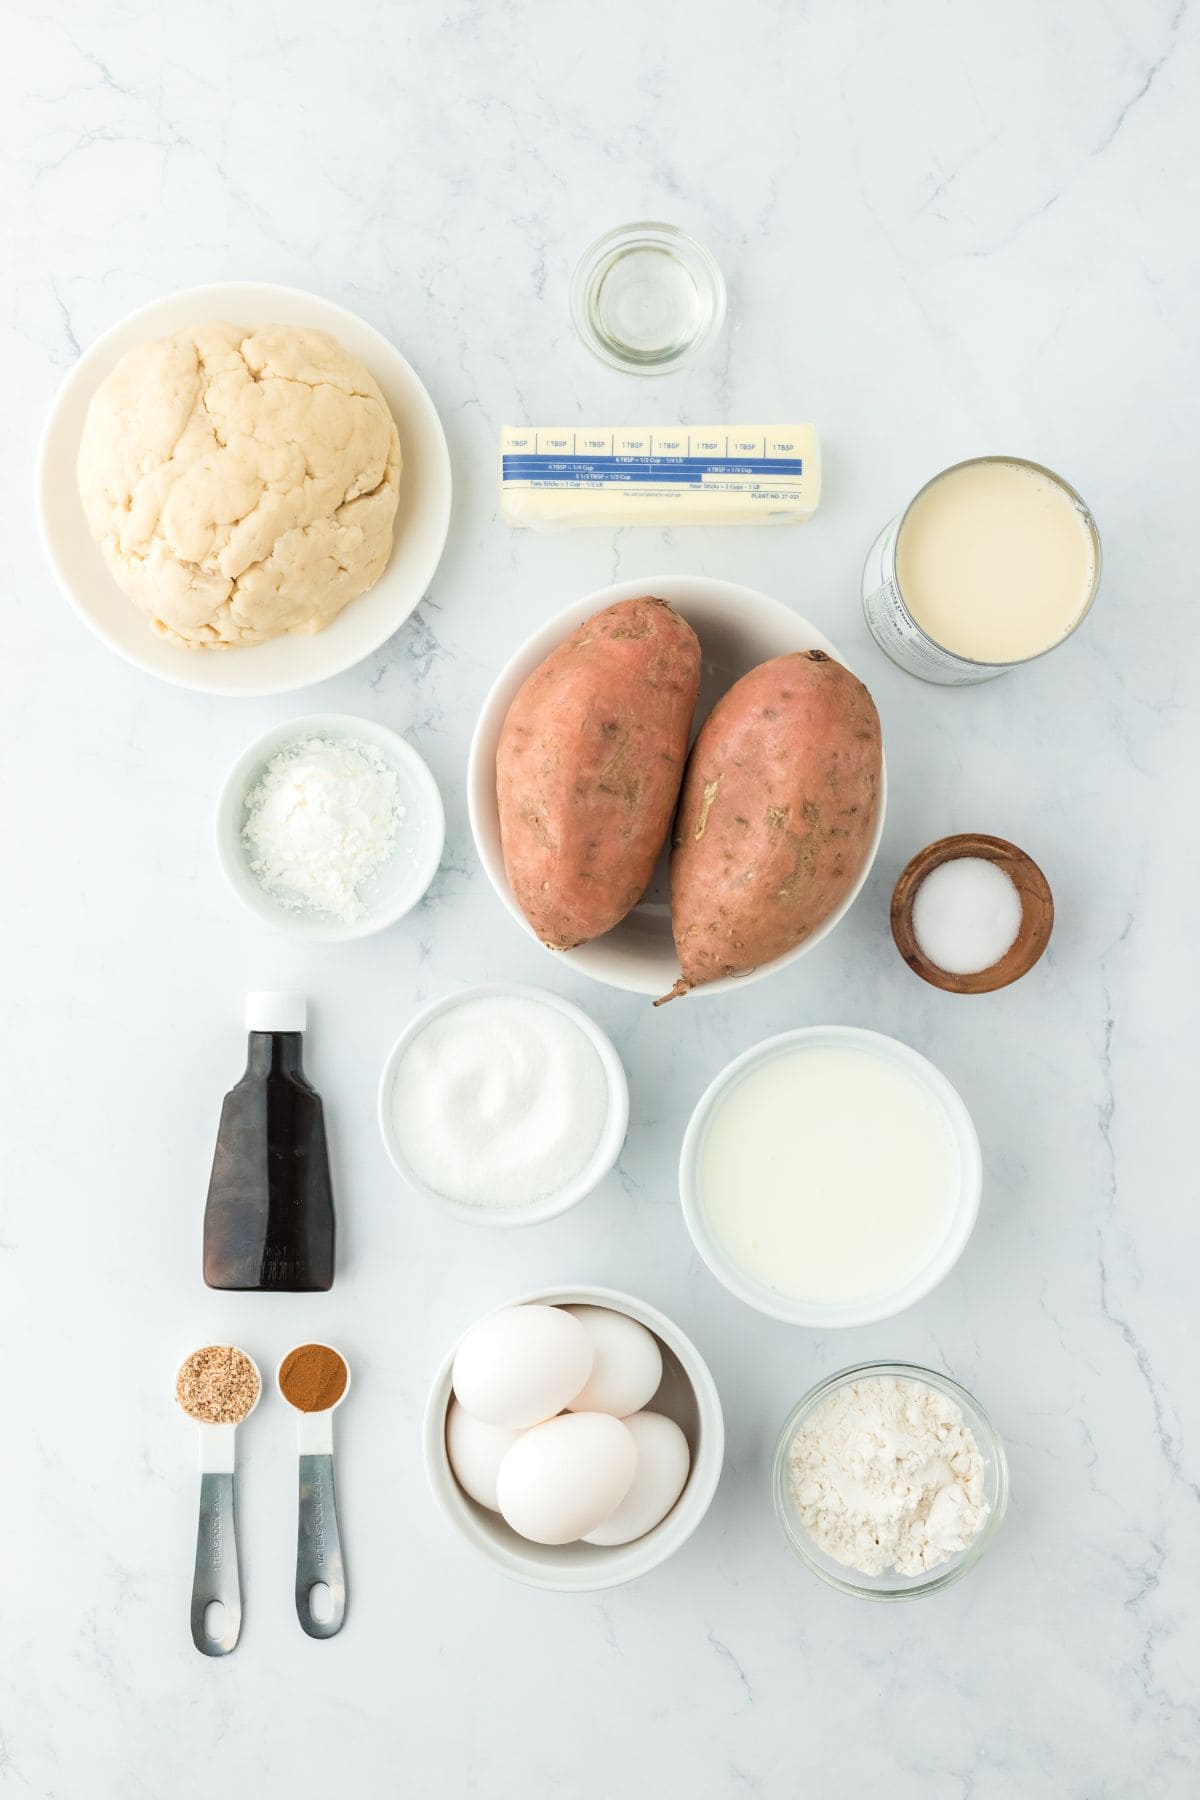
x=647 y=298
x=892 y=1586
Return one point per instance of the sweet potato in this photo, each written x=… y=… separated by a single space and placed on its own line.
x=776 y=815
x=588 y=768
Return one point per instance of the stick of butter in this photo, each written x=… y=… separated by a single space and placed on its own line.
x=659 y=475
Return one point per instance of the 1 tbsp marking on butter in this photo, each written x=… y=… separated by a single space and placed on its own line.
x=660 y=475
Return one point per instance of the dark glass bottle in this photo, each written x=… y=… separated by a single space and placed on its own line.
x=268 y=1222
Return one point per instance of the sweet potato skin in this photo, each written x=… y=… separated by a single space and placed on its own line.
x=589 y=765
x=775 y=817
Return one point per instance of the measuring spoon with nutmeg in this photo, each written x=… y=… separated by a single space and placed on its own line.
x=218 y=1388
x=315 y=1379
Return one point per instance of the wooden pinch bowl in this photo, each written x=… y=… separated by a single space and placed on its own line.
x=1037 y=912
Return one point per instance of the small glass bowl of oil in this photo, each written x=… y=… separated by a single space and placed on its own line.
x=647 y=298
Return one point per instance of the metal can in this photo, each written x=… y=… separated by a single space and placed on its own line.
x=895 y=629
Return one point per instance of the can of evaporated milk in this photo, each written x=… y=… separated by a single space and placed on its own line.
x=993 y=563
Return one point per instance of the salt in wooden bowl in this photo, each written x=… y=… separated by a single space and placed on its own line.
x=1037 y=912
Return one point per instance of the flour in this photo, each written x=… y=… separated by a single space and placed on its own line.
x=887 y=1474
x=322 y=820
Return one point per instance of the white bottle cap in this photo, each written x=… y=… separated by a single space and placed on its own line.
x=276 y=1012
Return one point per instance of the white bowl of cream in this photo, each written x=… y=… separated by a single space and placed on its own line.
x=830 y=1176
x=504 y=1104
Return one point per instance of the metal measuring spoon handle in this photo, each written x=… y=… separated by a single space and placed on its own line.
x=216 y=1573
x=318 y=1543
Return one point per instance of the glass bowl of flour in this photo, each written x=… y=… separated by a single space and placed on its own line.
x=330 y=827
x=890 y=1481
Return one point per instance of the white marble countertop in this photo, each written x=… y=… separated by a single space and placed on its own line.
x=943 y=236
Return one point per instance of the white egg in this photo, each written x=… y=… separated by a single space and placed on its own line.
x=663 y=1461
x=627 y=1365
x=476 y=1451
x=564 y=1478
x=520 y=1366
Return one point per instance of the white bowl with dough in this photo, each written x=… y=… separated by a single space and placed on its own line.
x=877 y=1304
x=399 y=883
x=600 y=1163
x=738 y=628
x=285 y=663
x=687 y=1394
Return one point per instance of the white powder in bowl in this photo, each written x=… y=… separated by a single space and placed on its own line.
x=966 y=914
x=500 y=1101
x=887 y=1474
x=322 y=820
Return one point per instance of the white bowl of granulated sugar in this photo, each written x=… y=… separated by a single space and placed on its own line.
x=330 y=827
x=503 y=1104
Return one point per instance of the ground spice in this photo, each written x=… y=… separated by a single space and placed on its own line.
x=217 y=1385
x=312 y=1377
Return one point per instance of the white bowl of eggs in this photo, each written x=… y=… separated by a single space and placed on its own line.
x=575 y=1438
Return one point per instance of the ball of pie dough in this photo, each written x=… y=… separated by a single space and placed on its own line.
x=240 y=483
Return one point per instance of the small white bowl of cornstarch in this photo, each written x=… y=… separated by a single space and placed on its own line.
x=330 y=827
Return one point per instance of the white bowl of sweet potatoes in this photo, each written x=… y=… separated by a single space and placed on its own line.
x=743 y=851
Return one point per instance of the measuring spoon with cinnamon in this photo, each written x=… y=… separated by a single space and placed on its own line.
x=314 y=1379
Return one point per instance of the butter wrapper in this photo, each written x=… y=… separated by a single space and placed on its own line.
x=554 y=477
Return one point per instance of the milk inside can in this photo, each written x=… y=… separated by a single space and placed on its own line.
x=994 y=562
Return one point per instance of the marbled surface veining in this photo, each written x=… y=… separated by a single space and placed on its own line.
x=946 y=231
